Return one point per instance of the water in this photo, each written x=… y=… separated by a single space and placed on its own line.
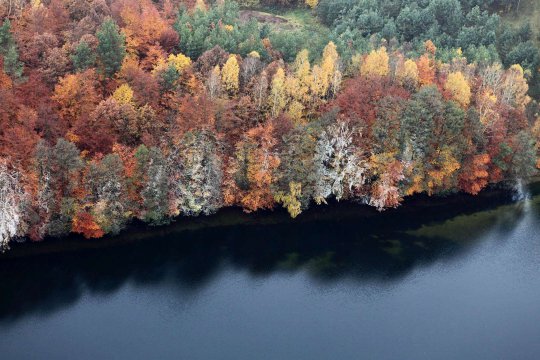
x=455 y=281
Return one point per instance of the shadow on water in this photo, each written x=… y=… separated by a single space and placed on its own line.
x=344 y=241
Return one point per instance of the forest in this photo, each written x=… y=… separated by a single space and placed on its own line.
x=113 y=111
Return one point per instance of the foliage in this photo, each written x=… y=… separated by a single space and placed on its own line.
x=139 y=110
x=111 y=48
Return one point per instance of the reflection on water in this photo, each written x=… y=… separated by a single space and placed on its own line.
x=454 y=278
x=339 y=244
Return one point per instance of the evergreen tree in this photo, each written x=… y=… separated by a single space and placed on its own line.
x=8 y=49
x=111 y=48
x=84 y=57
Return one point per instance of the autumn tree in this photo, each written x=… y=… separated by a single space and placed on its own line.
x=387 y=171
x=426 y=70
x=84 y=224
x=297 y=164
x=407 y=74
x=277 y=97
x=291 y=199
x=459 y=88
x=376 y=63
x=76 y=95
x=58 y=170
x=312 y=3
x=12 y=198
x=339 y=168
x=230 y=75
x=255 y=166
x=105 y=185
x=152 y=165
x=330 y=68
x=213 y=82
x=196 y=174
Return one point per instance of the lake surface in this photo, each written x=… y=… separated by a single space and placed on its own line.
x=458 y=281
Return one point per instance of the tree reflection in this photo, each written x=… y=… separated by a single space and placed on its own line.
x=344 y=241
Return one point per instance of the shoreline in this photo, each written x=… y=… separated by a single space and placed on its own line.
x=429 y=207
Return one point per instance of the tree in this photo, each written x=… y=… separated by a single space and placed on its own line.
x=514 y=88
x=376 y=63
x=105 y=185
x=291 y=200
x=123 y=95
x=58 y=172
x=255 y=170
x=84 y=224
x=297 y=162
x=76 y=95
x=230 y=75
x=459 y=88
x=277 y=93
x=111 y=49
x=179 y=61
x=84 y=57
x=119 y=119
x=330 y=68
x=302 y=71
x=213 y=83
x=8 y=49
x=12 y=198
x=312 y=3
x=426 y=70
x=339 y=168
x=155 y=191
x=407 y=74
x=474 y=175
x=385 y=192
x=196 y=174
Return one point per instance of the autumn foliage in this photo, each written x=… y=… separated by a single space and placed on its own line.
x=149 y=110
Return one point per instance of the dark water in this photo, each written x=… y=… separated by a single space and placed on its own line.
x=443 y=282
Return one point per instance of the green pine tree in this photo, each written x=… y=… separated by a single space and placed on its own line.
x=8 y=49
x=84 y=57
x=111 y=48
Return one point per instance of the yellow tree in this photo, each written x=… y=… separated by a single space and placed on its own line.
x=486 y=102
x=330 y=58
x=312 y=3
x=515 y=88
x=302 y=71
x=443 y=167
x=330 y=69
x=459 y=88
x=296 y=111
x=407 y=73
x=229 y=75
x=277 y=94
x=180 y=62
x=291 y=200
x=319 y=82
x=123 y=95
x=376 y=63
